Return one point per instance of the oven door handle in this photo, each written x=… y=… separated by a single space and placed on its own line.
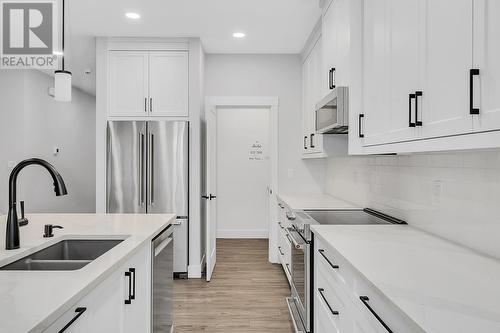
x=295 y=243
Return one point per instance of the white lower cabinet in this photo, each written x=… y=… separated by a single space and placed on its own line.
x=345 y=302
x=121 y=303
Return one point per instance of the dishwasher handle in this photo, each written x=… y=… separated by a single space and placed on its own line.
x=158 y=248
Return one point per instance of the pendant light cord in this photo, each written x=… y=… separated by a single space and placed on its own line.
x=63 y=14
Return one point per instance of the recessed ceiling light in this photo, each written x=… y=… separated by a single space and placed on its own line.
x=133 y=16
x=239 y=35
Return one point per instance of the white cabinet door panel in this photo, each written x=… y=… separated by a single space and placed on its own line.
x=128 y=83
x=405 y=73
x=376 y=67
x=448 y=59
x=169 y=83
x=486 y=59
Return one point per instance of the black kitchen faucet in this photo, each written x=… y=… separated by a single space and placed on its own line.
x=12 y=233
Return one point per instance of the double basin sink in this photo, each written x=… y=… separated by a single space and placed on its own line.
x=66 y=255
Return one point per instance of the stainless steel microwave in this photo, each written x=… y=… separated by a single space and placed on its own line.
x=332 y=112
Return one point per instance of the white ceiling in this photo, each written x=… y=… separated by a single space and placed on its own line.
x=271 y=26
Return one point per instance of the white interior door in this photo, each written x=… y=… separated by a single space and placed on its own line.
x=242 y=171
x=211 y=187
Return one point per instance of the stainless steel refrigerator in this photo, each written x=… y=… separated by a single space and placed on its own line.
x=148 y=172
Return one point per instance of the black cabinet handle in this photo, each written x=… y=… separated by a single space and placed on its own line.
x=305 y=142
x=417 y=95
x=332 y=78
x=322 y=293
x=151 y=104
x=410 y=123
x=279 y=249
x=129 y=300
x=145 y=104
x=205 y=197
x=79 y=311
x=312 y=140
x=361 y=116
x=213 y=196
x=473 y=72
x=322 y=252
x=365 y=300
x=132 y=271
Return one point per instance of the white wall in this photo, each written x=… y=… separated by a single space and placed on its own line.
x=271 y=75
x=242 y=177
x=453 y=195
x=34 y=123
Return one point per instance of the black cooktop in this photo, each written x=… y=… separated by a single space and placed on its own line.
x=352 y=217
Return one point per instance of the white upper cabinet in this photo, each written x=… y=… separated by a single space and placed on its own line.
x=376 y=71
x=169 y=83
x=312 y=69
x=487 y=60
x=128 y=83
x=148 y=83
x=447 y=63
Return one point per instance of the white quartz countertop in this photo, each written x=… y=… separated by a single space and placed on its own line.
x=31 y=300
x=315 y=201
x=441 y=286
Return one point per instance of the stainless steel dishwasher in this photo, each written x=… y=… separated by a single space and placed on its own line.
x=162 y=282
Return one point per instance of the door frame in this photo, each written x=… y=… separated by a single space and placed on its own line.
x=271 y=103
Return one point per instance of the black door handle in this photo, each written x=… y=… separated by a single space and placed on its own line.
x=312 y=141
x=212 y=196
x=79 y=311
x=365 y=300
x=132 y=272
x=360 y=120
x=473 y=72
x=410 y=123
x=417 y=95
x=305 y=142
x=205 y=197
x=129 y=300
x=332 y=78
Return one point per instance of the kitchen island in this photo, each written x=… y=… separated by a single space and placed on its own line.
x=46 y=300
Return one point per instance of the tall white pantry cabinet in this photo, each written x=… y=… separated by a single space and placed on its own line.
x=148 y=79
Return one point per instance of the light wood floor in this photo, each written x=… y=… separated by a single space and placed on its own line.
x=246 y=294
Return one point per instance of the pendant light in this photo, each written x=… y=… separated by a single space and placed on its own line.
x=62 y=87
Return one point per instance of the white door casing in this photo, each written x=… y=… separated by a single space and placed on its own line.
x=211 y=188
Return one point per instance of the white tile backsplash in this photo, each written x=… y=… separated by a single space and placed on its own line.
x=453 y=195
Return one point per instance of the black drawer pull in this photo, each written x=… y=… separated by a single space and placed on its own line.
x=365 y=300
x=79 y=311
x=332 y=78
x=279 y=249
x=305 y=142
x=322 y=252
x=132 y=271
x=129 y=276
x=473 y=72
x=360 y=122
x=410 y=123
x=312 y=141
x=417 y=95
x=322 y=293
x=289 y=239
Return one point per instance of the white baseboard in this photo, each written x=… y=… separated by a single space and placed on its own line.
x=242 y=233
x=195 y=271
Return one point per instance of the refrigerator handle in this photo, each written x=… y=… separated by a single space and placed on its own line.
x=151 y=169
x=141 y=169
